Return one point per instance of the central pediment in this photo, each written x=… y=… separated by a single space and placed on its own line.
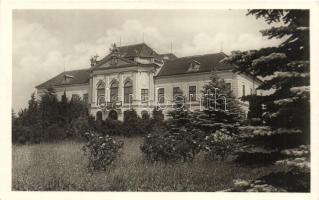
x=115 y=61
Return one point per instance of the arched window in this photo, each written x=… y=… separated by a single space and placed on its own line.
x=99 y=116
x=114 y=91
x=128 y=91
x=145 y=115
x=100 y=90
x=113 y=115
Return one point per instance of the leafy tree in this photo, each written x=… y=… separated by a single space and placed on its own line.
x=287 y=112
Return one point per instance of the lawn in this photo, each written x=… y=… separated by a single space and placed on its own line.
x=61 y=166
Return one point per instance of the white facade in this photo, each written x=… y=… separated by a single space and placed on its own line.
x=141 y=78
x=79 y=90
x=141 y=74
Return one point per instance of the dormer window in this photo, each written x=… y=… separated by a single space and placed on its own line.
x=67 y=78
x=194 y=66
x=157 y=61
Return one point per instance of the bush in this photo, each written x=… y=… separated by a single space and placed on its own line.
x=100 y=150
x=134 y=125
x=172 y=146
x=112 y=127
x=157 y=115
x=78 y=127
x=22 y=134
x=219 y=145
x=54 y=133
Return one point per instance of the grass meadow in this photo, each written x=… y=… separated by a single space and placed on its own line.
x=62 y=167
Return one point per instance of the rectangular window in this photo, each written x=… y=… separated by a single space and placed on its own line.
x=192 y=93
x=251 y=91
x=144 y=94
x=113 y=94
x=177 y=93
x=244 y=92
x=128 y=95
x=160 y=95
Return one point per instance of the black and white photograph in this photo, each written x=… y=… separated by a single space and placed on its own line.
x=161 y=100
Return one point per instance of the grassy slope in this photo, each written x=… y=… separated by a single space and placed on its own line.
x=61 y=166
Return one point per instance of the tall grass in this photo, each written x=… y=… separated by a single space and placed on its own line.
x=61 y=166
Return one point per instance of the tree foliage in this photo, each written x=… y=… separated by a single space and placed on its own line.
x=100 y=150
x=187 y=132
x=47 y=119
x=287 y=110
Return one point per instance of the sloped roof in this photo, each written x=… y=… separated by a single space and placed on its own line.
x=134 y=50
x=80 y=76
x=169 y=56
x=141 y=50
x=124 y=63
x=131 y=51
x=207 y=63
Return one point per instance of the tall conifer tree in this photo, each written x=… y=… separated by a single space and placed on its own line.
x=286 y=70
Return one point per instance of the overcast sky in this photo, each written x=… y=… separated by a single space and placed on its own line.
x=44 y=41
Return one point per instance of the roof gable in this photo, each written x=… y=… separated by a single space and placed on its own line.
x=114 y=61
x=132 y=51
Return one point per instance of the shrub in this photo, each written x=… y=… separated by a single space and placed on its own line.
x=78 y=127
x=157 y=117
x=100 y=150
x=159 y=147
x=21 y=134
x=134 y=125
x=112 y=127
x=172 y=146
x=219 y=145
x=53 y=132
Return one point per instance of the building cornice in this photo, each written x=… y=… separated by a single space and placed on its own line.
x=189 y=74
x=63 y=86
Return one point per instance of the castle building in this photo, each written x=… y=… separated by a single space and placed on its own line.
x=137 y=77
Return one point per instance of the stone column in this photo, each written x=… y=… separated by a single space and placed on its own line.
x=90 y=89
x=121 y=87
